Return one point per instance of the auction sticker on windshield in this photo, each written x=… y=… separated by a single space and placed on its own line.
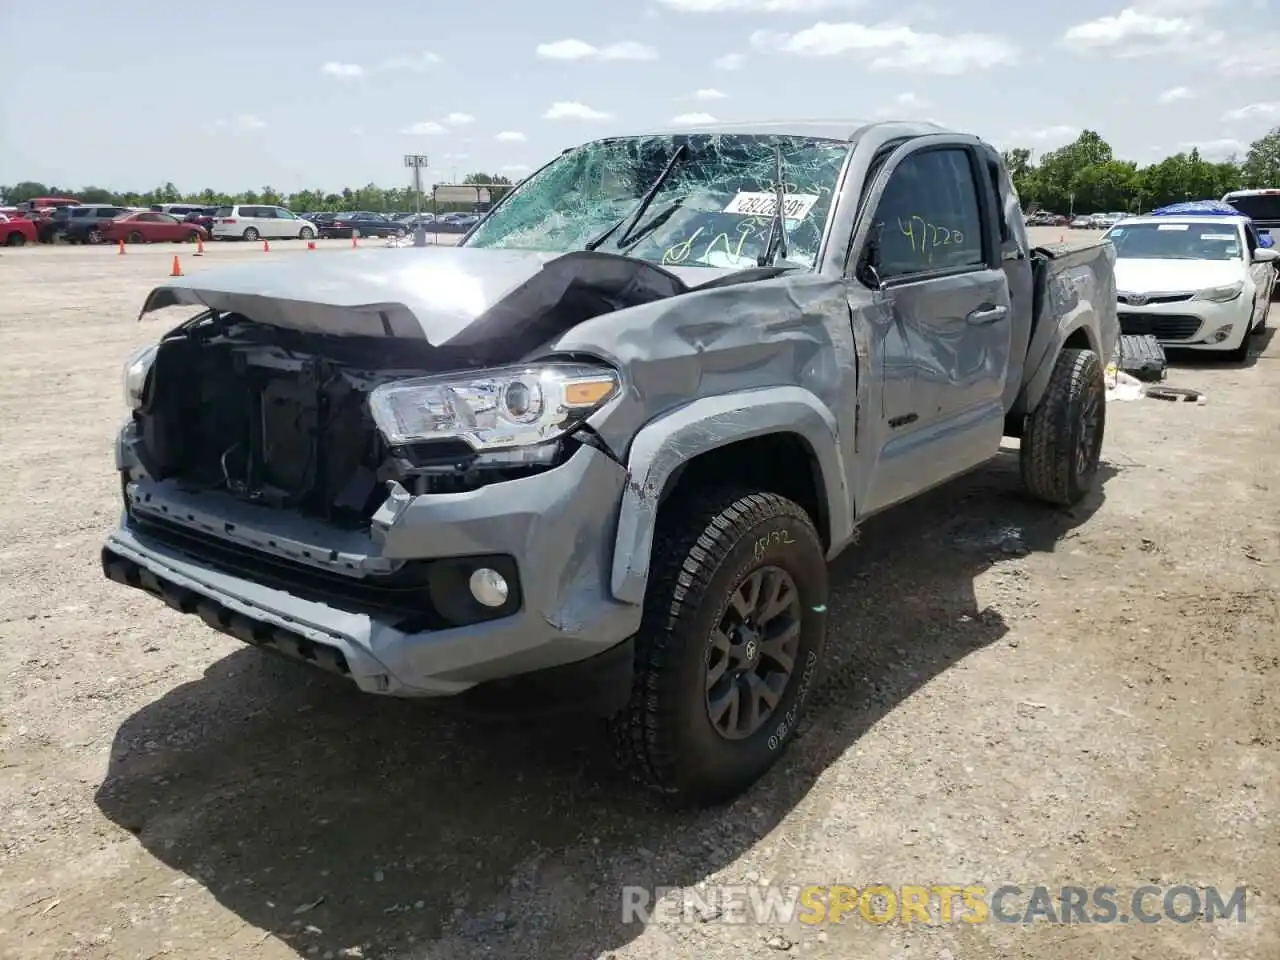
x=796 y=205
x=1173 y=226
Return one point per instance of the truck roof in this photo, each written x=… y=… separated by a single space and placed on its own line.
x=819 y=128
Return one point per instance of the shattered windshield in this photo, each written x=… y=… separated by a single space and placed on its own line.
x=713 y=210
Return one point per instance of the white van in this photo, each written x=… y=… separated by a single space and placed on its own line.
x=260 y=222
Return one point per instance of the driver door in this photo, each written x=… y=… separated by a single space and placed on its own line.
x=942 y=307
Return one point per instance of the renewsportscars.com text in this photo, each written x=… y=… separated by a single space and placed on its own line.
x=933 y=904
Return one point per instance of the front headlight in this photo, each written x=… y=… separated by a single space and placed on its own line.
x=496 y=409
x=136 y=369
x=1221 y=294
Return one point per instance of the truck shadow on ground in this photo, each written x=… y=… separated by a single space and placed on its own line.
x=333 y=820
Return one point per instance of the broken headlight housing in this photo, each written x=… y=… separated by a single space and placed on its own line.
x=136 y=369
x=512 y=411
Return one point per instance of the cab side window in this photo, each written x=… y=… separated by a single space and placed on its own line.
x=928 y=218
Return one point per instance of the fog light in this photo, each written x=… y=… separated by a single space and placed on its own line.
x=489 y=587
x=1221 y=333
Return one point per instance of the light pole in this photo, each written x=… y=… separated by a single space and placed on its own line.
x=416 y=161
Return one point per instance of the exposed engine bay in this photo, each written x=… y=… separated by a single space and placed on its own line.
x=280 y=418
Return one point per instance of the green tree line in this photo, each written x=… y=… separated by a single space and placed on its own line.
x=369 y=197
x=1085 y=176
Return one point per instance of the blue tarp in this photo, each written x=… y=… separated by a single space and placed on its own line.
x=1209 y=208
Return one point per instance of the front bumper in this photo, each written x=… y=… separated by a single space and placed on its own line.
x=275 y=579
x=1190 y=324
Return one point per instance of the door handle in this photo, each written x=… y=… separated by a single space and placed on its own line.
x=985 y=315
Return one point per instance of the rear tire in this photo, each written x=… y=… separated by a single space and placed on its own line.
x=710 y=546
x=250 y=234
x=16 y=239
x=1062 y=444
x=134 y=237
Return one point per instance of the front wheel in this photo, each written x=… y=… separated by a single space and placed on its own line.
x=1062 y=443
x=729 y=647
x=16 y=239
x=306 y=233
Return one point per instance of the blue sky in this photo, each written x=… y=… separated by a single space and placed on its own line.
x=235 y=95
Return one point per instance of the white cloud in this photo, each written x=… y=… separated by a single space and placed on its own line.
x=511 y=136
x=516 y=168
x=893 y=47
x=1043 y=137
x=1217 y=149
x=1146 y=28
x=708 y=94
x=241 y=123
x=459 y=119
x=1253 y=111
x=904 y=104
x=575 y=49
x=424 y=128
x=1175 y=94
x=344 y=71
x=755 y=6
x=413 y=64
x=1258 y=59
x=456 y=156
x=693 y=119
x=572 y=110
x=730 y=61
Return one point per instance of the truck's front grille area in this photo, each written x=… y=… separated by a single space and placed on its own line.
x=1169 y=326
x=403 y=595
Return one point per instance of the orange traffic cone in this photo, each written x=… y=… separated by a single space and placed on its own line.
x=311 y=244
x=199 y=246
x=177 y=267
x=266 y=247
x=121 y=250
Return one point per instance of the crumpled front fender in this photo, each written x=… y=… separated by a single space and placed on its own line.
x=666 y=444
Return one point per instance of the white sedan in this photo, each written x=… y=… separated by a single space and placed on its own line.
x=1202 y=283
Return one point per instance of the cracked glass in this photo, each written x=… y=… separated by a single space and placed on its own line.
x=714 y=209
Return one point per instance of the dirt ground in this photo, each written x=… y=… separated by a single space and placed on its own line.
x=1015 y=695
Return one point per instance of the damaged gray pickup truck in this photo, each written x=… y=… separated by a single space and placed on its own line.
x=598 y=455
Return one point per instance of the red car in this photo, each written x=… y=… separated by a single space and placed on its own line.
x=15 y=231
x=151 y=228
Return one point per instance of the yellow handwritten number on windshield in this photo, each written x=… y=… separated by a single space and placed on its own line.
x=926 y=237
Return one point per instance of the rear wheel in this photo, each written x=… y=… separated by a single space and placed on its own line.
x=16 y=239
x=729 y=647
x=134 y=237
x=250 y=234
x=93 y=236
x=1062 y=443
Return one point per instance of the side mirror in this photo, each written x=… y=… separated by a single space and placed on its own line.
x=1266 y=255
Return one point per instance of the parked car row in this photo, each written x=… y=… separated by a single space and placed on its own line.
x=56 y=219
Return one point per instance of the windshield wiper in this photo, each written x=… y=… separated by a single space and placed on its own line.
x=634 y=216
x=657 y=220
x=777 y=242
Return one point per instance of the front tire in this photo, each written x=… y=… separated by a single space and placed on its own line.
x=306 y=233
x=1062 y=444
x=702 y=638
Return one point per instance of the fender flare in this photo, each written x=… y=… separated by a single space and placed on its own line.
x=664 y=445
